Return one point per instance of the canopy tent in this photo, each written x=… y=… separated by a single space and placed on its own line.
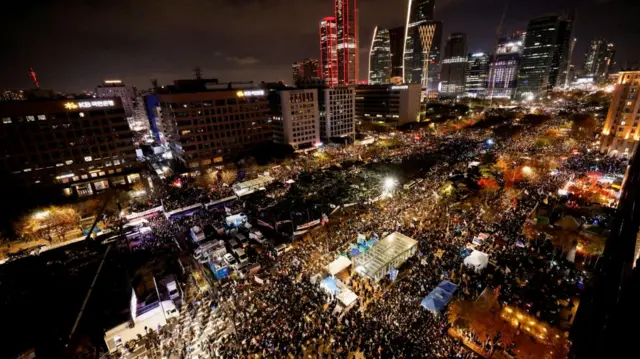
x=346 y=297
x=448 y=287
x=330 y=285
x=432 y=304
x=388 y=253
x=236 y=219
x=478 y=260
x=354 y=252
x=337 y=266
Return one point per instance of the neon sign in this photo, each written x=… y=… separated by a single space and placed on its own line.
x=400 y=87
x=249 y=93
x=89 y=104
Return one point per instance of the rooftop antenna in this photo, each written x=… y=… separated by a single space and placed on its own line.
x=34 y=77
x=495 y=53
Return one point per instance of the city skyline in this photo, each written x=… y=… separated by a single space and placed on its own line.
x=156 y=42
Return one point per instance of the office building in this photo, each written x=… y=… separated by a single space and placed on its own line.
x=329 y=51
x=204 y=122
x=434 y=57
x=9 y=95
x=346 y=14
x=116 y=88
x=545 y=58
x=418 y=38
x=396 y=42
x=337 y=113
x=295 y=116
x=380 y=57
x=503 y=75
x=397 y=104
x=305 y=69
x=622 y=127
x=477 y=75
x=454 y=65
x=598 y=60
x=80 y=145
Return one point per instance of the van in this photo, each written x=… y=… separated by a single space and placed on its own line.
x=240 y=255
x=172 y=288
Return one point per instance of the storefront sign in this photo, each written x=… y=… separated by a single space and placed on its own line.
x=89 y=104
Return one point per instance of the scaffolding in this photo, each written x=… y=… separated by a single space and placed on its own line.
x=388 y=253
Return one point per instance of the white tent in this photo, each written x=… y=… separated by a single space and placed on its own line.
x=346 y=297
x=337 y=266
x=477 y=260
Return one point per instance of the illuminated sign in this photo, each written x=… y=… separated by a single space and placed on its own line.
x=249 y=93
x=112 y=82
x=399 y=87
x=89 y=104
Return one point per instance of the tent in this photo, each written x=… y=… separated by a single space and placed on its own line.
x=432 y=304
x=448 y=287
x=330 y=285
x=346 y=297
x=477 y=260
x=354 y=252
x=337 y=266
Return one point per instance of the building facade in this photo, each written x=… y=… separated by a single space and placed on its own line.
x=454 y=65
x=397 y=104
x=346 y=15
x=295 y=117
x=116 y=88
x=380 y=65
x=9 y=95
x=305 y=69
x=598 y=60
x=338 y=113
x=416 y=51
x=329 y=51
x=396 y=42
x=545 y=57
x=204 y=122
x=503 y=75
x=81 y=145
x=622 y=127
x=477 y=75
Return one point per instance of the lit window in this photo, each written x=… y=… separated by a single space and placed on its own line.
x=87 y=158
x=27 y=170
x=68 y=162
x=84 y=176
x=42 y=117
x=6 y=120
x=81 y=114
x=30 y=119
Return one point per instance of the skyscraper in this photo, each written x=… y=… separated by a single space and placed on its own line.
x=545 y=58
x=503 y=76
x=420 y=31
x=305 y=69
x=621 y=132
x=396 y=40
x=598 y=59
x=477 y=75
x=454 y=65
x=380 y=57
x=346 y=24
x=329 y=51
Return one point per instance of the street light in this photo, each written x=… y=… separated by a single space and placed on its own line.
x=527 y=170
x=389 y=183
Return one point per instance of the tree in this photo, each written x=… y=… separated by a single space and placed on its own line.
x=229 y=176
x=47 y=223
x=489 y=186
x=583 y=126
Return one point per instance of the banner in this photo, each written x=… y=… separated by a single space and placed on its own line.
x=308 y=225
x=137 y=215
x=299 y=233
x=264 y=224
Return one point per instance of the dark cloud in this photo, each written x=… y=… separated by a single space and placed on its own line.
x=74 y=44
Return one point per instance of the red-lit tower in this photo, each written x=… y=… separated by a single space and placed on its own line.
x=329 y=51
x=347 y=29
x=34 y=77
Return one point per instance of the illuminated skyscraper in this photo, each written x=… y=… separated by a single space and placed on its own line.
x=545 y=58
x=346 y=15
x=422 y=34
x=621 y=130
x=477 y=75
x=380 y=57
x=329 y=51
x=503 y=76
x=598 y=59
x=396 y=41
x=454 y=65
x=305 y=69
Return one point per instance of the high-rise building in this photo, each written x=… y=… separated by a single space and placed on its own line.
x=545 y=58
x=503 y=75
x=81 y=145
x=329 y=51
x=396 y=104
x=418 y=39
x=477 y=75
x=380 y=57
x=396 y=42
x=204 y=122
x=433 y=59
x=295 y=116
x=116 y=88
x=454 y=65
x=598 y=60
x=346 y=15
x=9 y=95
x=305 y=69
x=621 y=130
x=337 y=112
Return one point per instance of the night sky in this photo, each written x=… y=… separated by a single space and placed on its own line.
x=74 y=45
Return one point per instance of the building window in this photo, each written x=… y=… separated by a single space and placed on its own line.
x=30 y=119
x=42 y=117
x=6 y=120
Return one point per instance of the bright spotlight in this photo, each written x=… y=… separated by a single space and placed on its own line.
x=389 y=183
x=527 y=170
x=41 y=215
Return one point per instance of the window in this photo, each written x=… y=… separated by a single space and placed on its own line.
x=6 y=120
x=30 y=119
x=42 y=117
x=87 y=159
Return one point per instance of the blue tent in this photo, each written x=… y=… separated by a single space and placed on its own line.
x=438 y=298
x=448 y=286
x=441 y=294
x=354 y=252
x=330 y=284
x=371 y=242
x=432 y=304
